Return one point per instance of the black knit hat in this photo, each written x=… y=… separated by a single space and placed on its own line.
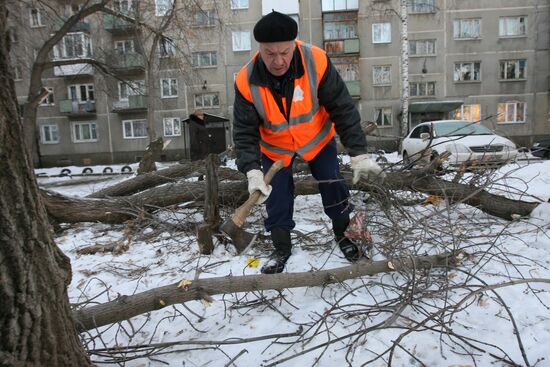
x=275 y=27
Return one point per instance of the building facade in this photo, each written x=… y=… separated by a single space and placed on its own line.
x=484 y=60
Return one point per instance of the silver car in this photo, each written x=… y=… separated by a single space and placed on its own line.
x=467 y=141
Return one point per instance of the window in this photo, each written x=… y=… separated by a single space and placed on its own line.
x=49 y=133
x=17 y=71
x=172 y=126
x=205 y=59
x=340 y=25
x=206 y=100
x=467 y=71
x=239 y=4
x=163 y=7
x=36 y=18
x=169 y=88
x=421 y=47
x=382 y=116
x=512 y=26
x=420 y=130
x=509 y=112
x=124 y=6
x=421 y=6
x=74 y=45
x=348 y=67
x=381 y=33
x=167 y=47
x=205 y=18
x=422 y=89
x=130 y=88
x=469 y=112
x=512 y=69
x=49 y=99
x=467 y=28
x=381 y=75
x=133 y=129
x=332 y=5
x=84 y=132
x=241 y=41
x=124 y=46
x=81 y=92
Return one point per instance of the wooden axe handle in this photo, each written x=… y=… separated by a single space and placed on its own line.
x=244 y=210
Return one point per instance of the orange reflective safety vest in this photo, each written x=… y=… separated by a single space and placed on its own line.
x=308 y=128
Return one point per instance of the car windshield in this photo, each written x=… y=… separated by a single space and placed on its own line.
x=457 y=128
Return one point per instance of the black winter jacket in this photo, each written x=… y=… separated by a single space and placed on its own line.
x=332 y=94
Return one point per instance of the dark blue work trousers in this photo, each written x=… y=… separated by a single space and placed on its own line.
x=334 y=192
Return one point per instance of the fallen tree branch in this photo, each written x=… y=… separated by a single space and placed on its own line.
x=119 y=209
x=126 y=307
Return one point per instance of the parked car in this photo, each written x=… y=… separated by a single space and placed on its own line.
x=468 y=142
x=541 y=149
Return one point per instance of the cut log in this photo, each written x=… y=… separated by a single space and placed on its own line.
x=117 y=210
x=126 y=307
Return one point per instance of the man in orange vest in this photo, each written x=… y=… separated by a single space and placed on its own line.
x=290 y=100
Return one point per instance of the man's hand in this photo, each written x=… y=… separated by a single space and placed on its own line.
x=256 y=183
x=363 y=166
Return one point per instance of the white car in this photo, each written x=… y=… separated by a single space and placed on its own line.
x=467 y=142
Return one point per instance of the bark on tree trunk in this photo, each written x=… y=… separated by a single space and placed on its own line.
x=117 y=210
x=126 y=307
x=36 y=325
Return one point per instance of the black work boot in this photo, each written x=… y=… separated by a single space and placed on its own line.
x=278 y=258
x=351 y=251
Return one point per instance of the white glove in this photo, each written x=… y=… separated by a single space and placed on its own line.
x=363 y=166
x=256 y=183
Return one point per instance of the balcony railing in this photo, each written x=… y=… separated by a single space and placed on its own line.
x=341 y=47
x=133 y=103
x=115 y=24
x=80 y=26
x=74 y=69
x=126 y=62
x=354 y=88
x=75 y=108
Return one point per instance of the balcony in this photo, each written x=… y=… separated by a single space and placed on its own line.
x=116 y=25
x=354 y=88
x=127 y=63
x=74 y=69
x=135 y=103
x=342 y=47
x=80 y=26
x=75 y=109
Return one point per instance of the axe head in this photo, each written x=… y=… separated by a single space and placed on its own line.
x=242 y=240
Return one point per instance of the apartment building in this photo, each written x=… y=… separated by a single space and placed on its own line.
x=482 y=60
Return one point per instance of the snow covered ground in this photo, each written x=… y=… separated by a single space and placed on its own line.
x=491 y=310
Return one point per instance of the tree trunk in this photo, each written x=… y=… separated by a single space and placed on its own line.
x=36 y=325
x=117 y=210
x=404 y=68
x=126 y=307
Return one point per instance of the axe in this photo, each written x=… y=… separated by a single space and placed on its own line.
x=232 y=227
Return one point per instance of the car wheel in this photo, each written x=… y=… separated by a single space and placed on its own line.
x=547 y=154
x=65 y=172
x=87 y=170
x=107 y=170
x=126 y=169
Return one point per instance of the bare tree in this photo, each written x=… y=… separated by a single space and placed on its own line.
x=35 y=319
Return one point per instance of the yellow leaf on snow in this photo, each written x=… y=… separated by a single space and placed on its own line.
x=433 y=199
x=185 y=283
x=253 y=262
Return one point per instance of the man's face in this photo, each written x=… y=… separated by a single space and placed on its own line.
x=277 y=56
